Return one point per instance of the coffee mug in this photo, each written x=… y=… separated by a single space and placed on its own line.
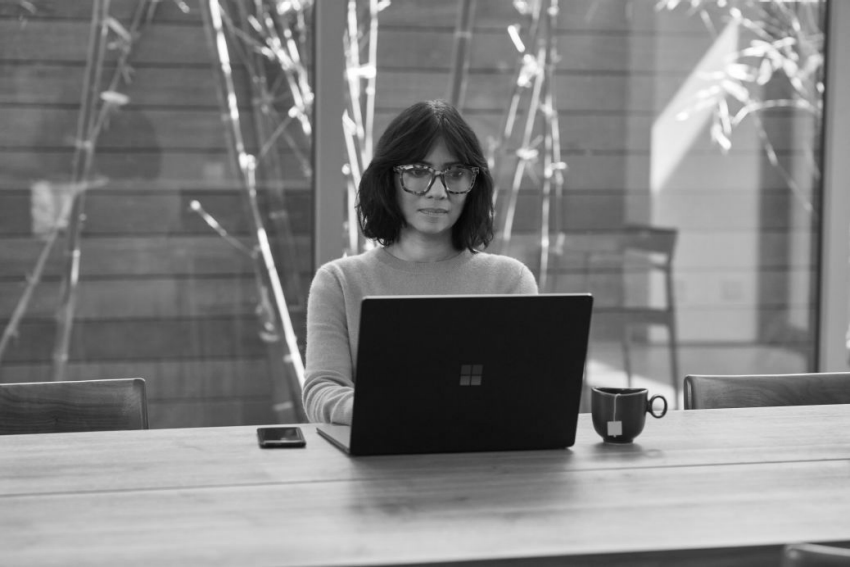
x=619 y=414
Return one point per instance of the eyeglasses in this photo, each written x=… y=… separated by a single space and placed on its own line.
x=418 y=179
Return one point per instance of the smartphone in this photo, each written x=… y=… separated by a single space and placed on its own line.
x=280 y=437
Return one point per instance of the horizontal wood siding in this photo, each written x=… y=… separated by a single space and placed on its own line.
x=164 y=298
x=621 y=66
x=161 y=295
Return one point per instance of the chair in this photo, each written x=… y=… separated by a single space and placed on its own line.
x=648 y=249
x=813 y=555
x=632 y=255
x=761 y=390
x=59 y=407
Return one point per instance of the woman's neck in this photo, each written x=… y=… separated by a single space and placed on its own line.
x=414 y=248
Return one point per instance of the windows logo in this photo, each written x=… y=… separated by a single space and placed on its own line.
x=471 y=374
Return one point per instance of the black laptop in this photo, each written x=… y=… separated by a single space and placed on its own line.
x=463 y=373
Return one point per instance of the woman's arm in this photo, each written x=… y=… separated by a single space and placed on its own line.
x=328 y=386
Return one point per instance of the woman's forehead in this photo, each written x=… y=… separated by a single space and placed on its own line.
x=440 y=153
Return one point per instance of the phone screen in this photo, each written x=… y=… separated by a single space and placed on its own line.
x=280 y=437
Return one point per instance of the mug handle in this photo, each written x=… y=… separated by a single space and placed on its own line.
x=651 y=401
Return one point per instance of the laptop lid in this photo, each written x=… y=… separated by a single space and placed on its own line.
x=462 y=373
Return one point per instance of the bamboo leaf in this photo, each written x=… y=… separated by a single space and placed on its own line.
x=798 y=85
x=182 y=6
x=530 y=69
x=119 y=29
x=513 y=32
x=790 y=68
x=765 y=72
x=255 y=23
x=740 y=71
x=523 y=7
x=719 y=137
x=737 y=90
x=709 y=92
x=723 y=114
x=114 y=98
x=757 y=48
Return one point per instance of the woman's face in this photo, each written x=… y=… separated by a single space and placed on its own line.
x=434 y=213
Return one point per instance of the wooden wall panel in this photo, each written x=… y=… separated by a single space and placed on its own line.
x=721 y=210
x=167 y=147
x=152 y=298
x=142 y=257
x=157 y=212
x=123 y=10
x=45 y=82
x=144 y=339
x=615 y=131
x=177 y=168
x=578 y=16
x=162 y=296
x=493 y=50
x=163 y=43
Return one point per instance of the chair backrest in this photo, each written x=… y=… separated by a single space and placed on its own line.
x=653 y=240
x=59 y=407
x=814 y=555
x=761 y=390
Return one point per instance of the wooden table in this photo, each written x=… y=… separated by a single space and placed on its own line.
x=699 y=487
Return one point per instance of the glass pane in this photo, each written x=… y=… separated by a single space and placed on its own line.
x=664 y=157
x=128 y=143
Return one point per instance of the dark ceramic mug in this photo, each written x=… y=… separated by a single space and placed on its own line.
x=619 y=414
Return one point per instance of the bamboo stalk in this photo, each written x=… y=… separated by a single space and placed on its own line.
x=525 y=147
x=460 y=55
x=11 y=330
x=246 y=166
x=353 y=176
x=82 y=163
x=371 y=81
x=89 y=127
x=261 y=104
x=353 y=76
x=509 y=119
x=358 y=149
x=549 y=124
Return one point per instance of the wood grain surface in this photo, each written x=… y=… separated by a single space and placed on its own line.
x=700 y=487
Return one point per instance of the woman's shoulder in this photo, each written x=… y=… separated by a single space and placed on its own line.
x=351 y=264
x=509 y=274
x=497 y=262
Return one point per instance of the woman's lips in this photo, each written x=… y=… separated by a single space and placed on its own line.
x=434 y=212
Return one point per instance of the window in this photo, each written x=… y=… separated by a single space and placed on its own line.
x=113 y=143
x=678 y=179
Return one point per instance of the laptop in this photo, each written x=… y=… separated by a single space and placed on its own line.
x=466 y=373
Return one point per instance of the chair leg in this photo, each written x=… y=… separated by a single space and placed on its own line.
x=674 y=359
x=626 y=340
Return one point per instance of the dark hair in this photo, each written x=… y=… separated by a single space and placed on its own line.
x=408 y=139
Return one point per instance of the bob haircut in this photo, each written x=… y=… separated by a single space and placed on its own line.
x=407 y=140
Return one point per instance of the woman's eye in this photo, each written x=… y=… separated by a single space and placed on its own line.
x=418 y=172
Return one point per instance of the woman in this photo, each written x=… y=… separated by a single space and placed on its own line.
x=426 y=198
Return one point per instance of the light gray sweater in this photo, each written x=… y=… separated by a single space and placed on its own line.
x=333 y=311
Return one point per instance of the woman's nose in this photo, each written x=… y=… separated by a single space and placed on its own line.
x=438 y=191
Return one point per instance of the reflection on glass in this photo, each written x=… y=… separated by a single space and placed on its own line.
x=188 y=236
x=664 y=156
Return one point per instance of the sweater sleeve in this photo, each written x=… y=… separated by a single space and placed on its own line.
x=525 y=283
x=328 y=386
